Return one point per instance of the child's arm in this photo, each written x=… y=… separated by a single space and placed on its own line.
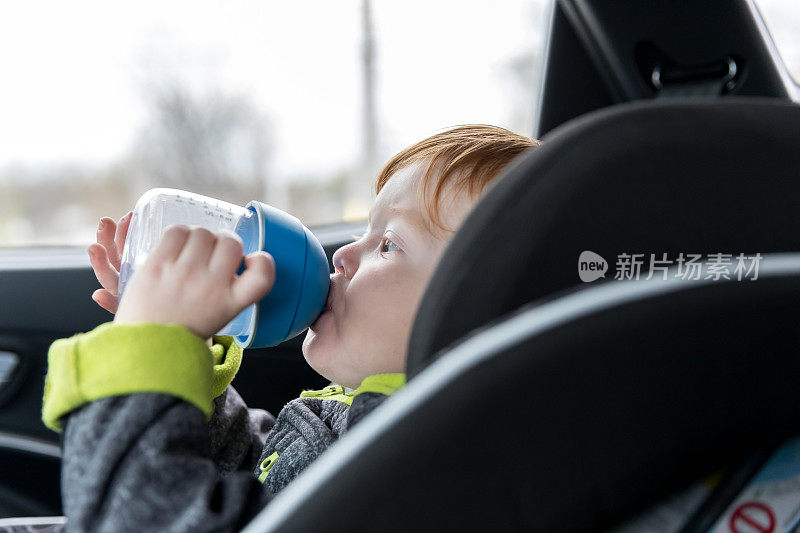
x=142 y=462
x=135 y=403
x=238 y=433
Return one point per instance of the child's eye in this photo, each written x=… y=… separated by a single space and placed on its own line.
x=386 y=242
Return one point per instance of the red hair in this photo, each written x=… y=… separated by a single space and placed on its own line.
x=468 y=157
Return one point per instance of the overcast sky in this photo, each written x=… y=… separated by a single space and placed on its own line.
x=75 y=72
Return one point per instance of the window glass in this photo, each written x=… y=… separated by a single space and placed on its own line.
x=296 y=104
x=783 y=21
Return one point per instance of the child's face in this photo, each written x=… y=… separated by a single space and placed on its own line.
x=377 y=285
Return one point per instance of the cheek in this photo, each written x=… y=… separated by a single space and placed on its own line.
x=382 y=303
x=370 y=329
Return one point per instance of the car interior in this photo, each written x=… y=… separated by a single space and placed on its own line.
x=536 y=401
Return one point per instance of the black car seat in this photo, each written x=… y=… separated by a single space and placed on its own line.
x=593 y=416
x=571 y=415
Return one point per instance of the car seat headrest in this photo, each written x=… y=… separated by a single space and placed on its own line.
x=691 y=176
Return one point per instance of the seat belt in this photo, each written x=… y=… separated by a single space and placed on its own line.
x=762 y=495
x=759 y=494
x=730 y=485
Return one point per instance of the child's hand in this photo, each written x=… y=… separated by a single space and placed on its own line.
x=190 y=279
x=105 y=257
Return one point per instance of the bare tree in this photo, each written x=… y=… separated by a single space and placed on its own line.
x=211 y=143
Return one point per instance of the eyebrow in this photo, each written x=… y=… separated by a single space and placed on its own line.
x=406 y=214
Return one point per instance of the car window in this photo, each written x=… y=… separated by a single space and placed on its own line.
x=782 y=18
x=296 y=104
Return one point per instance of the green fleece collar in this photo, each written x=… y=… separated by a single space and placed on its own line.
x=381 y=383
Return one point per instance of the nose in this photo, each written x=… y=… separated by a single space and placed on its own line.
x=345 y=260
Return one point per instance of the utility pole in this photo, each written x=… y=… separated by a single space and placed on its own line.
x=359 y=187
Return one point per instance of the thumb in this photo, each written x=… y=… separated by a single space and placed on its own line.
x=256 y=281
x=106 y=300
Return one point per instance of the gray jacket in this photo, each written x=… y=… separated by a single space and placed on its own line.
x=151 y=462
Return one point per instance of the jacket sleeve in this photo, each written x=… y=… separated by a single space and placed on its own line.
x=145 y=447
x=238 y=433
x=143 y=462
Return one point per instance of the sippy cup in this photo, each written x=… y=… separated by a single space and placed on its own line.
x=302 y=274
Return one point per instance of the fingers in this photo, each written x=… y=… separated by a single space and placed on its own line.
x=106 y=275
x=227 y=255
x=122 y=232
x=198 y=248
x=105 y=236
x=112 y=237
x=256 y=281
x=171 y=244
x=106 y=300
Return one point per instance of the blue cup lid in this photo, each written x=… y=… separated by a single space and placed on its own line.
x=302 y=277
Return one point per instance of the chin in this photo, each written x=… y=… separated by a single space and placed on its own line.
x=317 y=355
x=309 y=345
